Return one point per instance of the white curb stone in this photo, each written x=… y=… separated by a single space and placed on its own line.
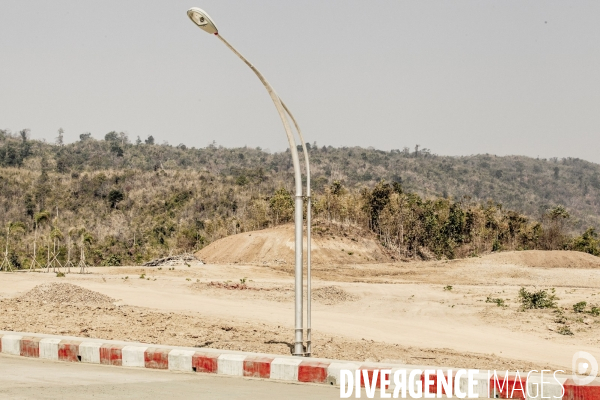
x=49 y=348
x=285 y=369
x=333 y=371
x=90 y=352
x=232 y=364
x=11 y=344
x=133 y=356
x=181 y=360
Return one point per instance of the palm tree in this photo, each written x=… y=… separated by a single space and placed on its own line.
x=85 y=238
x=38 y=219
x=15 y=227
x=70 y=233
x=55 y=233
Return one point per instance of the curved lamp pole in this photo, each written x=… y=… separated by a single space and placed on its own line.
x=308 y=228
x=204 y=22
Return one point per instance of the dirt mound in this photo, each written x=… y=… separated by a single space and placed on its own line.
x=330 y=295
x=546 y=259
x=275 y=246
x=64 y=293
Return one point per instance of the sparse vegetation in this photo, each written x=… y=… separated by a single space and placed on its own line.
x=139 y=201
x=228 y=285
x=564 y=330
x=537 y=300
x=560 y=318
x=499 y=302
x=60 y=275
x=448 y=288
x=143 y=276
x=579 y=307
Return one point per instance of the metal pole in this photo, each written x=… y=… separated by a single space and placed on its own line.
x=299 y=336
x=308 y=228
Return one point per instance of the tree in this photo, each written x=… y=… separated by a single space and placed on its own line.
x=555 y=220
x=150 y=140
x=41 y=217
x=123 y=138
x=29 y=205
x=282 y=205
x=588 y=242
x=337 y=189
x=377 y=199
x=25 y=146
x=42 y=185
x=60 y=138
x=10 y=258
x=116 y=149
x=85 y=136
x=114 y=197
x=111 y=137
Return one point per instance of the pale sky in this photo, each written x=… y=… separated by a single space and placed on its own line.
x=458 y=77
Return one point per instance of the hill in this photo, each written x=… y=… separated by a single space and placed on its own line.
x=127 y=203
x=275 y=246
x=523 y=184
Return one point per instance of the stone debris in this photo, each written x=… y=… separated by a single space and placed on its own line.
x=64 y=293
x=180 y=259
x=330 y=295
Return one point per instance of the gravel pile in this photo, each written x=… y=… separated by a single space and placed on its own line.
x=181 y=259
x=64 y=293
x=332 y=295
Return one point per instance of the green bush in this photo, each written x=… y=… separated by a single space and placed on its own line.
x=579 y=307
x=537 y=300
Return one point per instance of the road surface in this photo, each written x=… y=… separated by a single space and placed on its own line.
x=22 y=378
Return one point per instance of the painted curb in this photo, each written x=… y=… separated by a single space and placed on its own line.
x=267 y=366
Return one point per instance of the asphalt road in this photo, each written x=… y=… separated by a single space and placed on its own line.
x=22 y=378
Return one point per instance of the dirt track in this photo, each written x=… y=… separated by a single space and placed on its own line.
x=402 y=312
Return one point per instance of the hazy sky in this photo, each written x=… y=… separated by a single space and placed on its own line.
x=458 y=77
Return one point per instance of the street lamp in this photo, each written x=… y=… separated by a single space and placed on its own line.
x=204 y=22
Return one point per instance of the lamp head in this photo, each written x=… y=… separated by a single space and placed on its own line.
x=201 y=18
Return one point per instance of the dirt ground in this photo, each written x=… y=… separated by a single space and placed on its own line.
x=425 y=313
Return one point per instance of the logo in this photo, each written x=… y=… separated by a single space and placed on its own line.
x=585 y=368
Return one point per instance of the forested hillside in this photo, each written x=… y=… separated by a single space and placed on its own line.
x=128 y=202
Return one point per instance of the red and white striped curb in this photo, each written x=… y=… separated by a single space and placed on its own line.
x=266 y=366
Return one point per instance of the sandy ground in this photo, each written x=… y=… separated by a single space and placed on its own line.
x=399 y=312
